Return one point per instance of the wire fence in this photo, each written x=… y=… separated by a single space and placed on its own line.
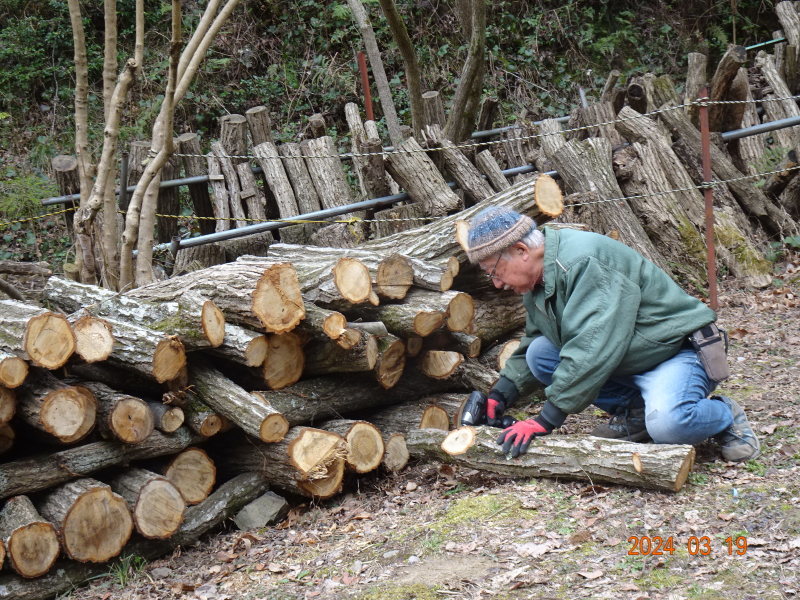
x=469 y=145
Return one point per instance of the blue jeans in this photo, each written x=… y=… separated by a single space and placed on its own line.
x=674 y=394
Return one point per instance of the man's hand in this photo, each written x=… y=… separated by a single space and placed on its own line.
x=517 y=438
x=494 y=411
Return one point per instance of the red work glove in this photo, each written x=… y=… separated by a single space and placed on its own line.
x=494 y=412
x=517 y=438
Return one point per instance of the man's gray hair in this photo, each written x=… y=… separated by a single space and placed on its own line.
x=533 y=239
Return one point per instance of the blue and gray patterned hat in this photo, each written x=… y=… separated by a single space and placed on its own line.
x=494 y=229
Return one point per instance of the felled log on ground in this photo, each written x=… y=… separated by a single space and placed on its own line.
x=194 y=474
x=44 y=338
x=395 y=455
x=34 y=474
x=255 y=295
x=364 y=443
x=156 y=505
x=65 y=412
x=13 y=370
x=93 y=523
x=223 y=504
x=121 y=416
x=308 y=462
x=657 y=466
x=196 y=321
x=228 y=399
x=31 y=543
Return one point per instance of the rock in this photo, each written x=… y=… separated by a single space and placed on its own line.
x=262 y=511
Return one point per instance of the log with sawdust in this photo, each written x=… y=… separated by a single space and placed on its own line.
x=392 y=274
x=93 y=522
x=31 y=542
x=265 y=295
x=196 y=321
x=13 y=370
x=8 y=405
x=156 y=505
x=65 y=412
x=42 y=337
x=657 y=466
x=539 y=197
x=194 y=474
x=121 y=416
x=223 y=504
x=237 y=405
x=33 y=474
x=331 y=396
x=365 y=446
x=308 y=461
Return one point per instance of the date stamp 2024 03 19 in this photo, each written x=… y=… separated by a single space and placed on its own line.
x=646 y=545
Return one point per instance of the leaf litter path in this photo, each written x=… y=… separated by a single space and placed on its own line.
x=434 y=532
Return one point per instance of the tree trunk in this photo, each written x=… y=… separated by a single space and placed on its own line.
x=597 y=117
x=399 y=218
x=93 y=523
x=220 y=205
x=193 y=473
x=696 y=79
x=168 y=204
x=63 y=411
x=309 y=462
x=657 y=466
x=13 y=370
x=788 y=137
x=269 y=159
x=223 y=504
x=257 y=295
x=234 y=190
x=325 y=169
x=260 y=124
x=193 y=166
x=31 y=542
x=302 y=185
x=416 y=173
x=254 y=199
x=721 y=82
x=488 y=165
x=364 y=443
x=462 y=170
x=156 y=505
x=373 y=168
x=228 y=399
x=44 y=338
x=65 y=172
x=467 y=97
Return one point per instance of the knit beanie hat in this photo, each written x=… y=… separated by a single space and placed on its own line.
x=494 y=229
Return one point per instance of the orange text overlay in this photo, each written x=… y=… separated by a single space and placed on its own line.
x=646 y=545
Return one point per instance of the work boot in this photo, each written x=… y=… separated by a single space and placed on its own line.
x=626 y=424
x=738 y=442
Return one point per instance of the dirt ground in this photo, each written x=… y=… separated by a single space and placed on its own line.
x=436 y=532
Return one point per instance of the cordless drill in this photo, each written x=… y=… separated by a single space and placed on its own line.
x=474 y=411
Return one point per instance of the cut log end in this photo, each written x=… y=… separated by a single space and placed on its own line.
x=364 y=447
x=459 y=441
x=213 y=323
x=426 y=322
x=131 y=420
x=97 y=526
x=685 y=469
x=49 y=340
x=193 y=473
x=394 y=277
x=285 y=361
x=508 y=349
x=33 y=548
x=159 y=509
x=277 y=300
x=395 y=456
x=169 y=359
x=460 y=312
x=68 y=413
x=391 y=364
x=327 y=485
x=440 y=364
x=314 y=450
x=435 y=417
x=349 y=338
x=352 y=279
x=94 y=339
x=334 y=325
x=548 y=196
x=273 y=428
x=13 y=371
x=8 y=405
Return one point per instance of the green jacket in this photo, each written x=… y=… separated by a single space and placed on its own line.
x=608 y=309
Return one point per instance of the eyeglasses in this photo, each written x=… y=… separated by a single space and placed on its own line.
x=491 y=275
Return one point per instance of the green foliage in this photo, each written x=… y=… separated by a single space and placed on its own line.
x=126 y=568
x=20 y=196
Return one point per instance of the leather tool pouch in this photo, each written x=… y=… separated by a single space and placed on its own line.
x=711 y=344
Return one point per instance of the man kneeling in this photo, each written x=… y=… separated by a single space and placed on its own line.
x=605 y=326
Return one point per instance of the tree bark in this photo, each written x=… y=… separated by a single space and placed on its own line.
x=232 y=185
x=497 y=314
x=198 y=257
x=243 y=346
x=721 y=82
x=221 y=206
x=166 y=418
x=404 y=320
x=254 y=199
x=662 y=467
x=44 y=338
x=324 y=358
x=31 y=542
x=121 y=416
x=156 y=505
x=462 y=170
x=302 y=185
x=269 y=159
x=325 y=169
x=788 y=137
x=65 y=172
x=193 y=473
x=399 y=218
x=189 y=143
x=488 y=165
x=228 y=399
x=260 y=124
x=93 y=523
x=696 y=79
